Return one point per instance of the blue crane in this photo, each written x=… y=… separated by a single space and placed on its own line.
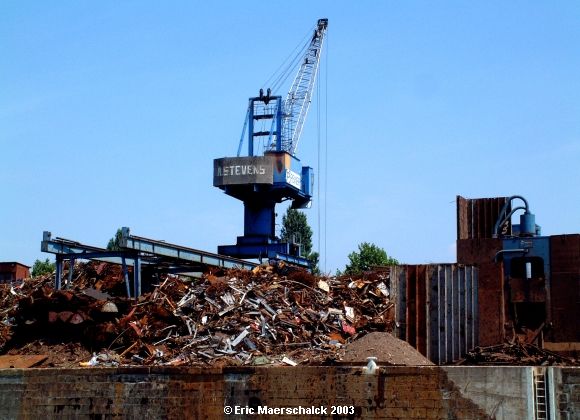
x=272 y=174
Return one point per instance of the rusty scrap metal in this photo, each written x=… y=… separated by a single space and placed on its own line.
x=272 y=313
x=514 y=354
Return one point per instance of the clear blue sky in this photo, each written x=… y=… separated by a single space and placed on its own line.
x=111 y=114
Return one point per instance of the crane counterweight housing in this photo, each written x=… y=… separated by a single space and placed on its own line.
x=272 y=173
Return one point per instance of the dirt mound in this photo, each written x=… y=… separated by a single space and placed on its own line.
x=386 y=348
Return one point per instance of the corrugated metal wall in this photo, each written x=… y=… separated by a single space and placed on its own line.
x=436 y=309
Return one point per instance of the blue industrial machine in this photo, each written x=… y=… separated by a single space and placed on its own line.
x=271 y=172
x=526 y=261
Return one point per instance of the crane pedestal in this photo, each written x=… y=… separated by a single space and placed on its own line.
x=262 y=182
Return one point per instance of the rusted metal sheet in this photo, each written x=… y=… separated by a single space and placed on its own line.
x=475 y=220
x=477 y=251
x=491 y=304
x=565 y=254
x=421 y=314
x=399 y=293
x=461 y=217
x=527 y=290
x=476 y=217
x=565 y=303
x=21 y=361
x=437 y=309
x=565 y=288
x=411 y=305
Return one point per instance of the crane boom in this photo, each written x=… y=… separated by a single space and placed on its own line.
x=299 y=97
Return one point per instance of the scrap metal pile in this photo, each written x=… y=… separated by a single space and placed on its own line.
x=265 y=316
x=515 y=353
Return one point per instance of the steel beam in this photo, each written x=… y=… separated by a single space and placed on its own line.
x=137 y=278
x=69 y=249
x=126 y=276
x=137 y=252
x=159 y=248
x=58 y=274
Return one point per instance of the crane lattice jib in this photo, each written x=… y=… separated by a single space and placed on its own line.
x=299 y=97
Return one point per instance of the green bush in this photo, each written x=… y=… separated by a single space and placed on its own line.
x=40 y=268
x=368 y=255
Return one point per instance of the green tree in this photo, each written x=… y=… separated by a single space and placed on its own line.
x=368 y=255
x=295 y=229
x=115 y=242
x=40 y=268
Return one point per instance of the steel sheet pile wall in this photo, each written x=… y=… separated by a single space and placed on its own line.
x=437 y=309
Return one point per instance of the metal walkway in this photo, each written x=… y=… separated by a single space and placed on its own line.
x=138 y=252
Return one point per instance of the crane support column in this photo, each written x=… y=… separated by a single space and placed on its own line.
x=260 y=219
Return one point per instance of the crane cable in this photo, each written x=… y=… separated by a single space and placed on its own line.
x=290 y=69
x=326 y=151
x=322 y=227
x=280 y=76
x=319 y=206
